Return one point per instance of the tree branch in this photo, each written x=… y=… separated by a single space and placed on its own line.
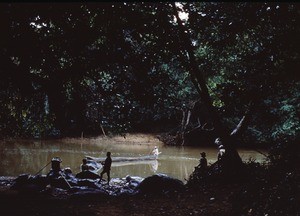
x=243 y=122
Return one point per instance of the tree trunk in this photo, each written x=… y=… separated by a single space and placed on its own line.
x=56 y=99
x=222 y=132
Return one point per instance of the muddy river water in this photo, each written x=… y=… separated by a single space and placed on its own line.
x=30 y=156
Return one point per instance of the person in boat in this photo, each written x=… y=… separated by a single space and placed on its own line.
x=106 y=167
x=155 y=151
x=203 y=161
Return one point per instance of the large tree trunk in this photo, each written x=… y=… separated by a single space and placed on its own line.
x=222 y=132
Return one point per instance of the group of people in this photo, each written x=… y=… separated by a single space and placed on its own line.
x=57 y=172
x=108 y=161
x=221 y=153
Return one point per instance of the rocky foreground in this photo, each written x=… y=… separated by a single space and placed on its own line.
x=261 y=193
x=208 y=201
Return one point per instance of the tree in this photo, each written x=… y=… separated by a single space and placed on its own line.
x=232 y=157
x=94 y=65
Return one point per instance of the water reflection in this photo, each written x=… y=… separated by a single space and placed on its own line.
x=19 y=157
x=153 y=164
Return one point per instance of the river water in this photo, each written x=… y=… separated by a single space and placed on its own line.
x=30 y=156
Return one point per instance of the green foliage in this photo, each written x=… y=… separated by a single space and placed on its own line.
x=26 y=117
x=122 y=66
x=286 y=111
x=272 y=189
x=243 y=51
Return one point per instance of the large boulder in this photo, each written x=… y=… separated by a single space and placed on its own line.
x=160 y=183
x=30 y=184
x=125 y=186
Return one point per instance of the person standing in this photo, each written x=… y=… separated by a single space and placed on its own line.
x=106 y=167
x=155 y=151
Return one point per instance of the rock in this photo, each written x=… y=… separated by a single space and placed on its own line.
x=60 y=182
x=160 y=183
x=88 y=182
x=85 y=185
x=87 y=175
x=30 y=184
x=88 y=193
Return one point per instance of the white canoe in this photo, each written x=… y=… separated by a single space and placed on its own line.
x=123 y=159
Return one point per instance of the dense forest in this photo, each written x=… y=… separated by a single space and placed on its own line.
x=103 y=68
x=191 y=72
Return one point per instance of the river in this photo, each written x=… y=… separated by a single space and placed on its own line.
x=30 y=156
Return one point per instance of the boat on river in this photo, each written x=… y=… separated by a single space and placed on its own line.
x=94 y=166
x=123 y=159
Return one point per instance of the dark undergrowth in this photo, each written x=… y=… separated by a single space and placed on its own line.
x=258 y=189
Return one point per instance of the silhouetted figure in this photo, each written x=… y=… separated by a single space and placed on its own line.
x=55 y=168
x=57 y=176
x=84 y=166
x=68 y=172
x=203 y=161
x=106 y=167
x=221 y=152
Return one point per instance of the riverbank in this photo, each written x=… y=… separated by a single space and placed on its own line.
x=132 y=138
x=265 y=191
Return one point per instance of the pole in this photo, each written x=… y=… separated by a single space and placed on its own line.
x=43 y=168
x=66 y=181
